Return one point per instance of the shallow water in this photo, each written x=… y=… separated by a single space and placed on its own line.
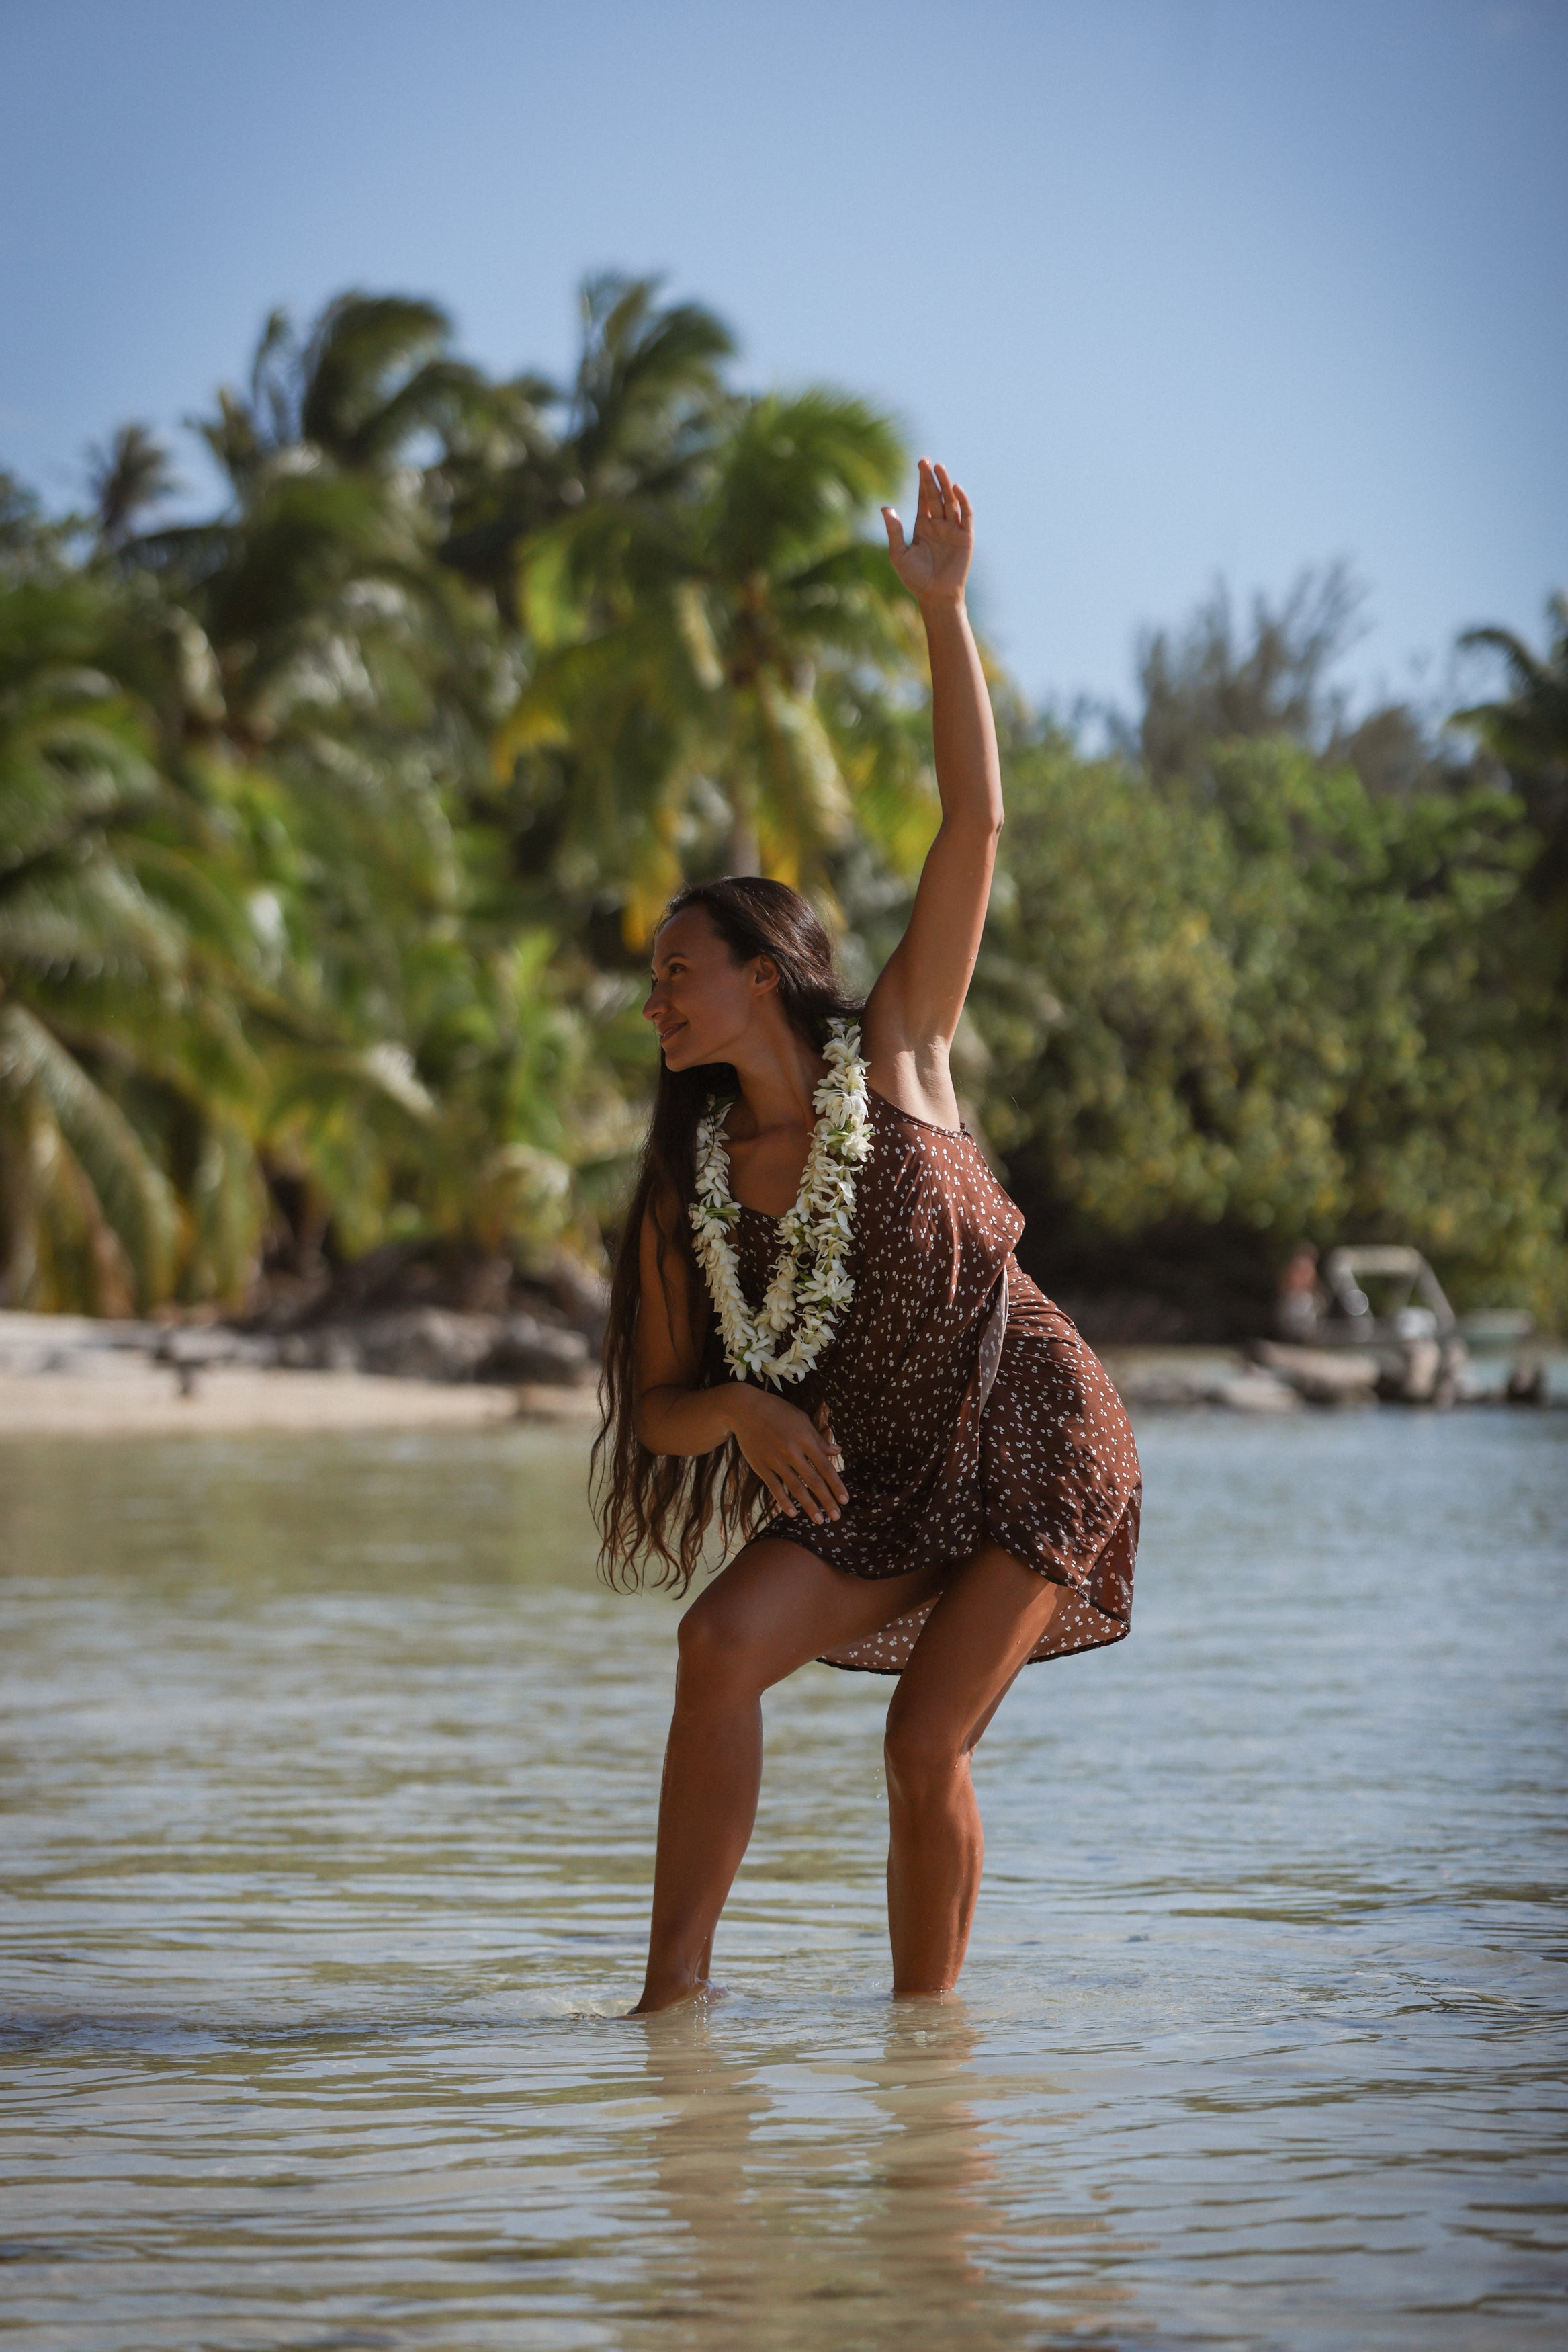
x=330 y=1803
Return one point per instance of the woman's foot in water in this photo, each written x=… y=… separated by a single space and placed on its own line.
x=658 y=1998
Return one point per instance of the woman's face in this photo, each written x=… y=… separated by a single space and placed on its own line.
x=702 y=999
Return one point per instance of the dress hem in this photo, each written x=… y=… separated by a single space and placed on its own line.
x=1109 y=1641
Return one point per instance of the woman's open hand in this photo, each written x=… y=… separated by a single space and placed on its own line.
x=934 y=563
x=796 y=1461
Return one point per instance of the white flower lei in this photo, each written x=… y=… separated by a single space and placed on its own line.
x=809 y=1285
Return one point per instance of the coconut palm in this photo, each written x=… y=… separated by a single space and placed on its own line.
x=290 y=692
x=635 y=429
x=118 y=1037
x=357 y=681
x=372 y=373
x=711 y=665
x=1528 y=731
x=128 y=478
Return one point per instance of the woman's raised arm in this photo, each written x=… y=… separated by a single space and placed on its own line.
x=914 y=1007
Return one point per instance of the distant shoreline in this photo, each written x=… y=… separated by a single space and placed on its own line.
x=67 y=1376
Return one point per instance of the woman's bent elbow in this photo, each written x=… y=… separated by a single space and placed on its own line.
x=648 y=1423
x=657 y=1418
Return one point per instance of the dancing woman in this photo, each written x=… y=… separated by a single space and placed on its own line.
x=819 y=1333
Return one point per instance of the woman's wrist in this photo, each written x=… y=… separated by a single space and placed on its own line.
x=677 y=1420
x=728 y=1400
x=938 y=608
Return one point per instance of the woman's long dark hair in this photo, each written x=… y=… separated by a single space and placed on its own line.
x=655 y=1509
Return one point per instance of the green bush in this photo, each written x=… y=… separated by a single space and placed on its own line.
x=1277 y=1005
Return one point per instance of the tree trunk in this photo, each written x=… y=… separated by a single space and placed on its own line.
x=743 y=854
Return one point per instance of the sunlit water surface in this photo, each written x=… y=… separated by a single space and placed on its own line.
x=329 y=1811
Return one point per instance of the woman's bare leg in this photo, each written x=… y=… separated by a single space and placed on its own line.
x=774 y=1607
x=971 y=1646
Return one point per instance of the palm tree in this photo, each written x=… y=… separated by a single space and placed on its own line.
x=372 y=371
x=293 y=689
x=128 y=478
x=714 y=664
x=117 y=1038
x=635 y=429
x=1528 y=731
x=356 y=679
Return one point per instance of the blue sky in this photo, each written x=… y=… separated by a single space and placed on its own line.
x=1178 y=287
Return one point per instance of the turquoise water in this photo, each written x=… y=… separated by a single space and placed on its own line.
x=329 y=1806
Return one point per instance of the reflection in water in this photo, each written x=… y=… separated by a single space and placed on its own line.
x=843 y=2199
x=801 y=2187
x=329 y=1803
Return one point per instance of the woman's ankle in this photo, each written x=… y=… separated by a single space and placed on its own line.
x=669 y=1993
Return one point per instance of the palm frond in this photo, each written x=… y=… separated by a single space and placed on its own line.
x=135 y=1198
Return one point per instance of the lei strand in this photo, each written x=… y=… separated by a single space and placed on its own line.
x=810 y=1286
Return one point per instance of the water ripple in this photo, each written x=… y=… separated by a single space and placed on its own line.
x=328 y=1809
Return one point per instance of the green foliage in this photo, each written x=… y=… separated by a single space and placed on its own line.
x=111 y=925
x=332 y=824
x=1282 y=1004
x=1527 y=732
x=252 y=951
x=706 y=669
x=1529 y=729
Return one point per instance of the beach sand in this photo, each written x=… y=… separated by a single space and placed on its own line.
x=139 y=1399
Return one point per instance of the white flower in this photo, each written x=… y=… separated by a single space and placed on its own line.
x=808 y=1284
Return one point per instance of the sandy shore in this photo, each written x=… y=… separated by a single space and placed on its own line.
x=65 y=1376
x=145 y=1400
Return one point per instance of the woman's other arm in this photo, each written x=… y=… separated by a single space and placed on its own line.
x=796 y=1461
x=674 y=1414
x=914 y=1008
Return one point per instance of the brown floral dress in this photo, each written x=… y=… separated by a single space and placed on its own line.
x=968 y=1408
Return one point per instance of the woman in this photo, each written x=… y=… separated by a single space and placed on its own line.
x=818 y=1296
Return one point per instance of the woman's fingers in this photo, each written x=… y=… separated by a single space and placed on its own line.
x=827 y=1486
x=942 y=499
x=810 y=1485
x=786 y=1483
x=805 y=1488
x=830 y=1454
x=831 y=1464
x=930 y=491
x=779 y=1490
x=821 y=1493
x=801 y=1472
x=800 y=1488
x=894 y=530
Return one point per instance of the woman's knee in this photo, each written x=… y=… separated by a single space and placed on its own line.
x=713 y=1644
x=923 y=1755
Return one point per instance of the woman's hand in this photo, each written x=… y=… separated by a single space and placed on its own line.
x=796 y=1461
x=933 y=564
